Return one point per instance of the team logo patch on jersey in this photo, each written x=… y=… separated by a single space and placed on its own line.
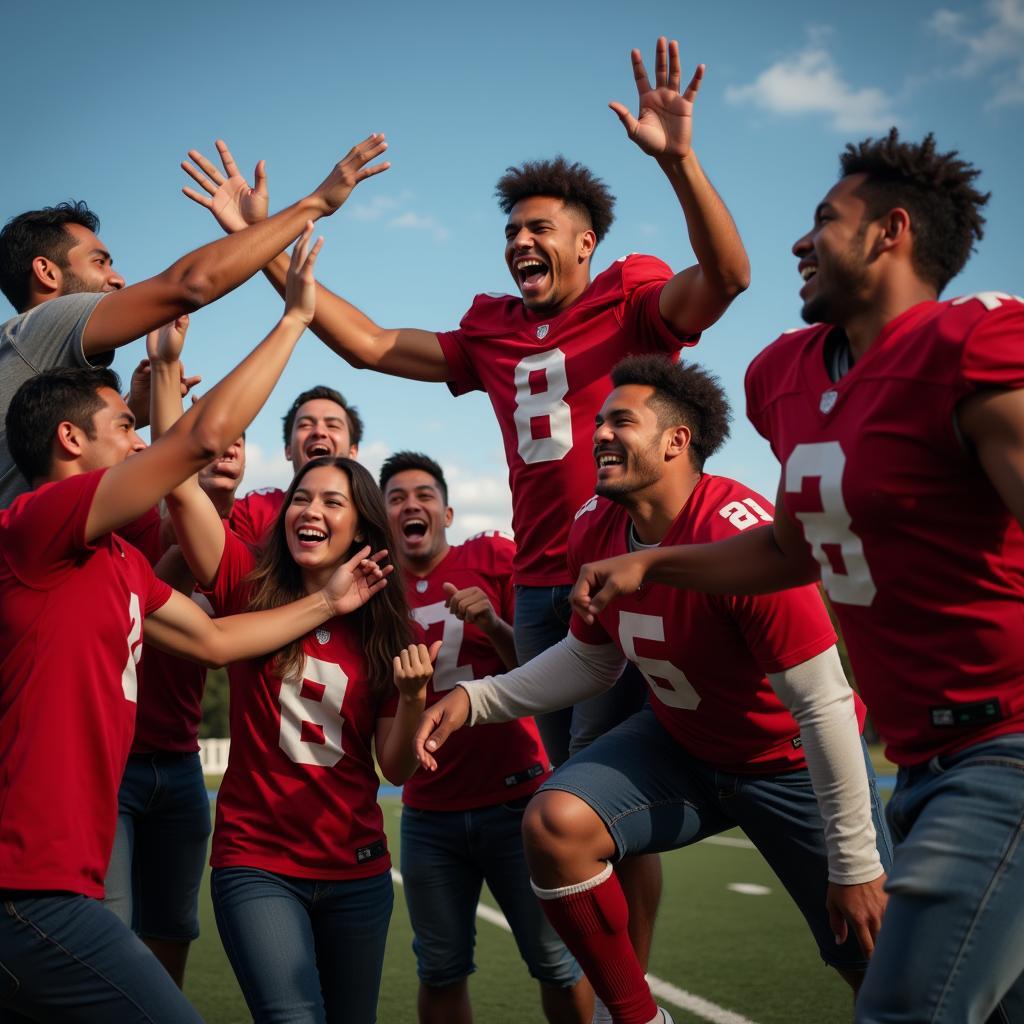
x=421 y=586
x=542 y=331
x=828 y=401
x=323 y=636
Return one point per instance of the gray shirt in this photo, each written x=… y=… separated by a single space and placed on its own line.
x=46 y=337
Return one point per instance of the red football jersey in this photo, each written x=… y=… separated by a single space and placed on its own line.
x=170 y=688
x=921 y=559
x=299 y=796
x=705 y=656
x=493 y=763
x=252 y=516
x=70 y=635
x=546 y=379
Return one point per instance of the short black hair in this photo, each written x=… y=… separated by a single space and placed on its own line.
x=683 y=393
x=355 y=422
x=936 y=189
x=401 y=461
x=38 y=233
x=43 y=402
x=576 y=185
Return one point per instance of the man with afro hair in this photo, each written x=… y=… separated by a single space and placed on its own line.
x=899 y=423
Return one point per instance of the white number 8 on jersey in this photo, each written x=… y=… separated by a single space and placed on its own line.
x=548 y=404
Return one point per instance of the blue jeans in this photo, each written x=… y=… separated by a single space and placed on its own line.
x=446 y=857
x=64 y=957
x=159 y=853
x=952 y=942
x=304 y=952
x=541 y=620
x=653 y=796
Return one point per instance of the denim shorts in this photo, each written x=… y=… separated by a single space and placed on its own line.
x=159 y=854
x=65 y=957
x=304 y=951
x=653 y=796
x=951 y=950
x=446 y=857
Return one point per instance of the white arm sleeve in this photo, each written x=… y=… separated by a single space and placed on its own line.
x=820 y=699
x=569 y=672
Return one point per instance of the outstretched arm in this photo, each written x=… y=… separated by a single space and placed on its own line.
x=183 y=628
x=402 y=352
x=215 y=269
x=696 y=297
x=137 y=484
x=759 y=561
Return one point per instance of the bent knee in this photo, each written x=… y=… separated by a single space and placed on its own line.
x=556 y=821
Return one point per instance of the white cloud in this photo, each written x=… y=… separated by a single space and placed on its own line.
x=810 y=82
x=263 y=469
x=993 y=46
x=379 y=206
x=421 y=222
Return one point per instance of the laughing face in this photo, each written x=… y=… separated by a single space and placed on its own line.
x=834 y=258
x=418 y=516
x=629 y=444
x=322 y=521
x=321 y=428
x=547 y=248
x=224 y=474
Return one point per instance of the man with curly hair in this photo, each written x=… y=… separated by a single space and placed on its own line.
x=750 y=715
x=543 y=356
x=899 y=423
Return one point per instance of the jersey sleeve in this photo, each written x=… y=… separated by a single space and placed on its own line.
x=45 y=529
x=146 y=534
x=593 y=633
x=229 y=593
x=251 y=517
x=158 y=592
x=504 y=551
x=643 y=278
x=993 y=353
x=783 y=629
x=463 y=377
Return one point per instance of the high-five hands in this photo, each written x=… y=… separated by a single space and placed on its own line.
x=665 y=123
x=236 y=204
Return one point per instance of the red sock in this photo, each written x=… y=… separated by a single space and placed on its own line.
x=591 y=918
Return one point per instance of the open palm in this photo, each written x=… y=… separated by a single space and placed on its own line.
x=664 y=126
x=229 y=197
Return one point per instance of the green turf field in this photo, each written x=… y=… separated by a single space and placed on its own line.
x=723 y=956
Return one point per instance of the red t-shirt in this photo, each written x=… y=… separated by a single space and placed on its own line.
x=70 y=633
x=252 y=517
x=493 y=763
x=299 y=796
x=705 y=656
x=546 y=379
x=921 y=558
x=170 y=688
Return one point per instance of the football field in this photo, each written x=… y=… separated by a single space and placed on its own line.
x=729 y=948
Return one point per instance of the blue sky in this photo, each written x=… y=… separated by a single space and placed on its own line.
x=105 y=100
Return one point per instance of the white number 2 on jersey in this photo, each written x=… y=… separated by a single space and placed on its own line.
x=680 y=692
x=129 y=675
x=826 y=461
x=323 y=711
x=447 y=670
x=547 y=405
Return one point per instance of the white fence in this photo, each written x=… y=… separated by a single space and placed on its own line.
x=213 y=755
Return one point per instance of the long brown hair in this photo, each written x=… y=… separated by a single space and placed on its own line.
x=382 y=623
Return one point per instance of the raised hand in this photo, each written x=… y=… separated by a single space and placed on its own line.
x=356 y=581
x=414 y=668
x=438 y=722
x=470 y=605
x=300 y=287
x=352 y=169
x=229 y=197
x=165 y=343
x=665 y=122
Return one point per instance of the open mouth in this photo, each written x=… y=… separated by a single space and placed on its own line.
x=414 y=529
x=318 y=450
x=605 y=458
x=530 y=272
x=310 y=535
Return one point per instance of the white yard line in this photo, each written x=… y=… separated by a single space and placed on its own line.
x=663 y=990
